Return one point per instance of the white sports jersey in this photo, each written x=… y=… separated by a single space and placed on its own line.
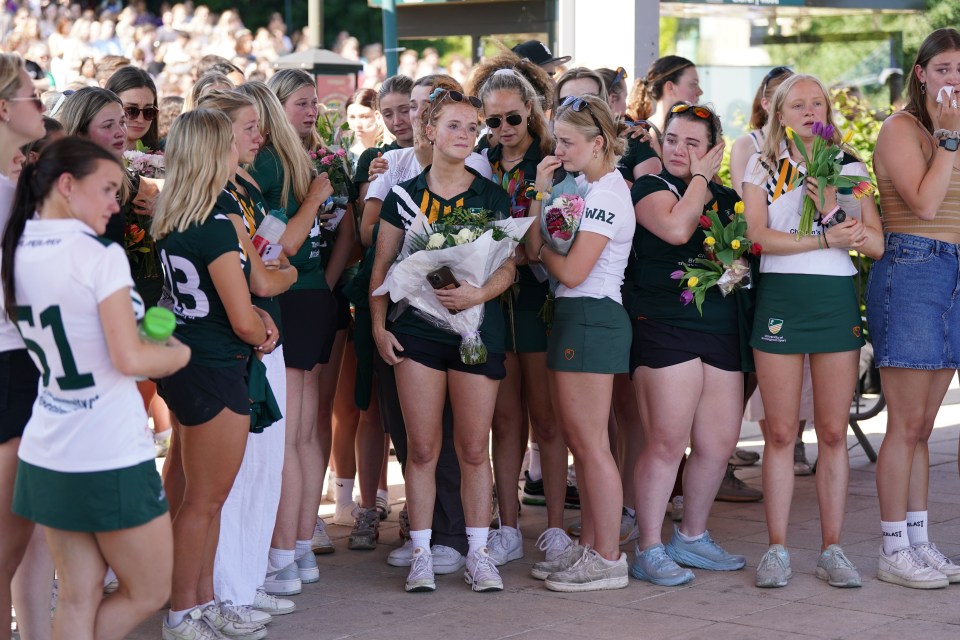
x=607 y=211
x=88 y=416
x=10 y=339
x=402 y=165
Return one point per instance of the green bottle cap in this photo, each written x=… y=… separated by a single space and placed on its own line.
x=158 y=324
x=281 y=214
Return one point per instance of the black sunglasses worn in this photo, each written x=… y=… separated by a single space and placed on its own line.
x=578 y=105
x=149 y=113
x=513 y=120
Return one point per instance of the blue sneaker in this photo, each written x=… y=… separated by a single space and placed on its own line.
x=654 y=565
x=704 y=553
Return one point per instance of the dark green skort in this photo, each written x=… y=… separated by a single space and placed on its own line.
x=589 y=335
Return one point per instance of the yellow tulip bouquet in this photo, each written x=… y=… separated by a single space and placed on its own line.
x=723 y=264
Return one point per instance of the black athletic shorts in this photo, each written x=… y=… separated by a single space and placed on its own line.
x=196 y=394
x=18 y=391
x=444 y=357
x=658 y=345
x=309 y=319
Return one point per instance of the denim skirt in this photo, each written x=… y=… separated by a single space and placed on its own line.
x=913 y=310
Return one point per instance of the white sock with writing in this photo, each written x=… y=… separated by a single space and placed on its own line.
x=477 y=538
x=917 y=527
x=344 y=491
x=894 y=536
x=421 y=539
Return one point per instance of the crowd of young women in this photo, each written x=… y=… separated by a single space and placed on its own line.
x=251 y=383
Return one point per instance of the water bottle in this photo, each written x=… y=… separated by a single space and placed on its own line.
x=157 y=327
x=270 y=230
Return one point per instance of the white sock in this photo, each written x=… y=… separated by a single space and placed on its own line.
x=687 y=538
x=421 y=539
x=477 y=538
x=162 y=435
x=917 y=527
x=536 y=473
x=344 y=491
x=895 y=536
x=176 y=617
x=303 y=548
x=109 y=577
x=383 y=493
x=280 y=558
x=630 y=512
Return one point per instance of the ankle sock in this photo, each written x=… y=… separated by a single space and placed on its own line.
x=344 y=491
x=303 y=548
x=383 y=493
x=421 y=539
x=280 y=558
x=895 y=536
x=536 y=473
x=477 y=538
x=627 y=511
x=687 y=538
x=917 y=527
x=176 y=617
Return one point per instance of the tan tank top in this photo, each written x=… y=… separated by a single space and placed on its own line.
x=897 y=216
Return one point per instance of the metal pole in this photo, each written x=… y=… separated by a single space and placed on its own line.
x=390 y=46
x=288 y=15
x=315 y=23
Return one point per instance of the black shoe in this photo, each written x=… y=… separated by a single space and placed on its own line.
x=572 y=499
x=533 y=491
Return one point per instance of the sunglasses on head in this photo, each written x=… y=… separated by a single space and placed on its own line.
x=700 y=112
x=438 y=94
x=578 y=105
x=35 y=99
x=621 y=74
x=513 y=120
x=149 y=113
x=773 y=74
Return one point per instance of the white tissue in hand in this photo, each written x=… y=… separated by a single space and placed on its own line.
x=944 y=93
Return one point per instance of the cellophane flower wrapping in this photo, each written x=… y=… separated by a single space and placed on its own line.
x=560 y=216
x=473 y=261
x=142 y=163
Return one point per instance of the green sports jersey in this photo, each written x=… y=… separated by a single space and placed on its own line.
x=637 y=152
x=483 y=194
x=268 y=172
x=202 y=321
x=250 y=208
x=649 y=292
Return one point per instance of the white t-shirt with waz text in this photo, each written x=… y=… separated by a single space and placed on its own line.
x=608 y=211
x=88 y=416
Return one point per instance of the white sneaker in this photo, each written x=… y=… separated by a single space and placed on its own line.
x=592 y=573
x=446 y=559
x=554 y=542
x=192 y=627
x=273 y=605
x=346 y=515
x=283 y=582
x=628 y=528
x=480 y=572
x=247 y=613
x=231 y=625
x=321 y=543
x=402 y=556
x=928 y=552
x=676 y=509
x=907 y=569
x=504 y=544
x=421 y=579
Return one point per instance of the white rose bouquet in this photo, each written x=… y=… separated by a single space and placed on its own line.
x=468 y=241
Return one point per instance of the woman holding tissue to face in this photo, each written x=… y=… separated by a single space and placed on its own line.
x=910 y=303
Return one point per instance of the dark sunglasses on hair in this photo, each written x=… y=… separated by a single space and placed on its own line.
x=513 y=120
x=35 y=99
x=149 y=113
x=700 y=112
x=578 y=105
x=439 y=94
x=621 y=74
x=773 y=74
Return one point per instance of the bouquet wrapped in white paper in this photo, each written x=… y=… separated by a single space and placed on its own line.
x=467 y=242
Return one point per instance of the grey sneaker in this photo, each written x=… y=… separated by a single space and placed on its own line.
x=366 y=530
x=420 y=579
x=907 y=569
x=928 y=552
x=654 y=565
x=283 y=582
x=402 y=556
x=230 y=625
x=446 y=559
x=801 y=466
x=553 y=542
x=834 y=567
x=480 y=572
x=566 y=559
x=704 y=553
x=504 y=545
x=592 y=573
x=383 y=507
x=307 y=568
x=321 y=543
x=774 y=568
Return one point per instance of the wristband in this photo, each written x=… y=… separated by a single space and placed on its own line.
x=702 y=176
x=533 y=194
